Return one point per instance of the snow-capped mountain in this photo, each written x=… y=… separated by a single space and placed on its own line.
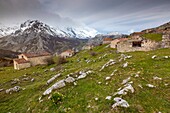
x=81 y=32
x=4 y=30
x=35 y=36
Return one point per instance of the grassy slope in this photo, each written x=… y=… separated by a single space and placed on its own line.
x=155 y=37
x=79 y=97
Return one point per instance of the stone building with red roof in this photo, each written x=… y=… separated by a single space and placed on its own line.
x=26 y=60
x=67 y=53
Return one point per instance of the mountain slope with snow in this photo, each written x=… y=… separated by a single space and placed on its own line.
x=81 y=32
x=35 y=36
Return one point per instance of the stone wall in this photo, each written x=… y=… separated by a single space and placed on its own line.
x=21 y=66
x=166 y=41
x=39 y=60
x=146 y=45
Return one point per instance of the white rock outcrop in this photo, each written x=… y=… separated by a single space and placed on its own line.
x=53 y=78
x=14 y=89
x=120 y=102
x=57 y=85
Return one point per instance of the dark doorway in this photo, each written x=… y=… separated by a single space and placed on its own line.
x=136 y=44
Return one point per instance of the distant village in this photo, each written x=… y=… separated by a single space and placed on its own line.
x=135 y=42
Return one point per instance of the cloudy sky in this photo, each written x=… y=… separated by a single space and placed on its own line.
x=105 y=16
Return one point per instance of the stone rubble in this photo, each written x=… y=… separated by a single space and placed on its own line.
x=123 y=91
x=150 y=85
x=154 y=56
x=14 y=89
x=108 y=98
x=125 y=65
x=157 y=78
x=109 y=63
x=69 y=80
x=120 y=102
x=125 y=80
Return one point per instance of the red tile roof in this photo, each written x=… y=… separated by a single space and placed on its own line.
x=107 y=39
x=21 y=61
x=31 y=55
x=69 y=51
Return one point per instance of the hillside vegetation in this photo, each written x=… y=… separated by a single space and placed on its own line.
x=89 y=94
x=154 y=37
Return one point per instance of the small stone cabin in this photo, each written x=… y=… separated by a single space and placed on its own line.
x=116 y=41
x=26 y=60
x=67 y=53
x=107 y=40
x=137 y=45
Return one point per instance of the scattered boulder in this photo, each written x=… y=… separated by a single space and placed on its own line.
x=109 y=63
x=83 y=74
x=1 y=90
x=108 y=98
x=14 y=89
x=108 y=78
x=150 y=85
x=26 y=79
x=96 y=99
x=15 y=81
x=126 y=80
x=113 y=72
x=166 y=57
x=53 y=78
x=33 y=79
x=69 y=80
x=123 y=91
x=157 y=78
x=154 y=56
x=120 y=102
x=57 y=85
x=52 y=69
x=125 y=65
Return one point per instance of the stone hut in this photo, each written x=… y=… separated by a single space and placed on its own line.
x=116 y=41
x=166 y=41
x=67 y=53
x=107 y=40
x=137 y=45
x=26 y=60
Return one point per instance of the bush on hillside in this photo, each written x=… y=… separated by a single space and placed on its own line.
x=59 y=60
x=57 y=98
x=92 y=53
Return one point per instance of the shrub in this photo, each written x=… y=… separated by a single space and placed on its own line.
x=50 y=61
x=57 y=97
x=59 y=60
x=93 y=53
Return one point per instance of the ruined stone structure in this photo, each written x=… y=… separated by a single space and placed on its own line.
x=27 y=60
x=137 y=45
x=166 y=41
x=68 y=53
x=116 y=41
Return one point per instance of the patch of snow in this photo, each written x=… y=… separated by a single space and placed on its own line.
x=120 y=102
